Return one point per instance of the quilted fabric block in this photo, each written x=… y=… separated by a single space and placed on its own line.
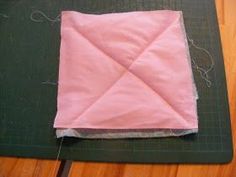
x=125 y=75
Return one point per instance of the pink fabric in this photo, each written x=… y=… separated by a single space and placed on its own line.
x=125 y=71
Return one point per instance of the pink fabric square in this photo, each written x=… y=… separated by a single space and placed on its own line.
x=125 y=71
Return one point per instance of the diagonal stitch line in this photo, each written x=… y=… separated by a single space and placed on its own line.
x=152 y=41
x=141 y=51
x=127 y=69
x=159 y=95
x=103 y=94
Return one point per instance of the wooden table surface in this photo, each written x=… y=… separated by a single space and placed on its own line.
x=21 y=167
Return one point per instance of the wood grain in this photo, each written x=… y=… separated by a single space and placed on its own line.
x=80 y=169
x=20 y=167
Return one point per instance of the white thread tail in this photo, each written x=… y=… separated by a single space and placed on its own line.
x=40 y=15
x=4 y=15
x=58 y=155
x=49 y=83
x=203 y=72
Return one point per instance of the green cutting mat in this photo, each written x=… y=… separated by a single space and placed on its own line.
x=29 y=56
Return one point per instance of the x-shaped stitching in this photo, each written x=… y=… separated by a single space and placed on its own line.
x=127 y=69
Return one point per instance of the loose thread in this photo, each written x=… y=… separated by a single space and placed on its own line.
x=204 y=73
x=58 y=155
x=40 y=15
x=49 y=83
x=172 y=133
x=4 y=15
x=59 y=150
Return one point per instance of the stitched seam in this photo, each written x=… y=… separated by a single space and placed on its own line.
x=127 y=69
x=102 y=95
x=159 y=95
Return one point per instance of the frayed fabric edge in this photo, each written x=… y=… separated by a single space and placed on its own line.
x=108 y=134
